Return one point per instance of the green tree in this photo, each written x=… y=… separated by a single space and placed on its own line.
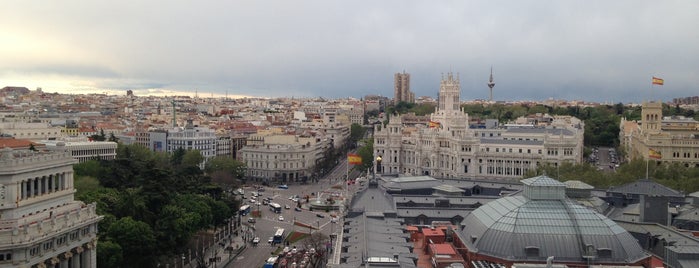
x=91 y=168
x=367 y=154
x=136 y=238
x=109 y=254
x=192 y=158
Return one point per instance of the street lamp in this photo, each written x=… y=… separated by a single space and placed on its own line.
x=378 y=164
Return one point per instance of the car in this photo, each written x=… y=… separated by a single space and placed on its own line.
x=297 y=209
x=287 y=207
x=281 y=218
x=256 y=240
x=333 y=219
x=320 y=215
x=283 y=186
x=251 y=220
x=270 y=240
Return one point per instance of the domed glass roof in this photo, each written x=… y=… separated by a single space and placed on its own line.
x=543 y=223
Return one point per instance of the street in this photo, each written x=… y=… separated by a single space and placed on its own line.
x=267 y=224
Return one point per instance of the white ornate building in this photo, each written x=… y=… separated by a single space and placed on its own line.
x=448 y=148
x=41 y=225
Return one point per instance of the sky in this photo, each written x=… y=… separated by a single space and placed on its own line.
x=605 y=51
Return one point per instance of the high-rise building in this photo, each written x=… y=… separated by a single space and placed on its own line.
x=42 y=224
x=401 y=88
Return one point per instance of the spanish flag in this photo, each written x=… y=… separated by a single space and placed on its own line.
x=658 y=81
x=354 y=159
x=433 y=124
x=654 y=154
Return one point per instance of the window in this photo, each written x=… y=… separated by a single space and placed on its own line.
x=48 y=245
x=5 y=256
x=34 y=251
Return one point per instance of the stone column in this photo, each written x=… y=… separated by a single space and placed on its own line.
x=30 y=182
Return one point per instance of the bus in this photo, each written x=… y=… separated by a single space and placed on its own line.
x=244 y=210
x=278 y=236
x=276 y=208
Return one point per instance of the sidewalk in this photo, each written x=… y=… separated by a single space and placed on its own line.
x=222 y=252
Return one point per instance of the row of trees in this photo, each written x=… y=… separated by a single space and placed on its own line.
x=674 y=175
x=154 y=203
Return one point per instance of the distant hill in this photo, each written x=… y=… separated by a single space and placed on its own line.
x=15 y=91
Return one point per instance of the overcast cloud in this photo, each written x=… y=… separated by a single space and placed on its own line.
x=576 y=50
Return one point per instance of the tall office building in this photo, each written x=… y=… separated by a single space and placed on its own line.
x=401 y=88
x=42 y=225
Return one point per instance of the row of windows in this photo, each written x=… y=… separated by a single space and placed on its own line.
x=280 y=156
x=59 y=242
x=5 y=256
x=38 y=186
x=684 y=155
x=258 y=164
x=35 y=134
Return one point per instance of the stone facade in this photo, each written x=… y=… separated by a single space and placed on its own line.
x=41 y=225
x=676 y=138
x=447 y=148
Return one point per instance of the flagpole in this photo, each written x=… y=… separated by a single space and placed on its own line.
x=647 y=160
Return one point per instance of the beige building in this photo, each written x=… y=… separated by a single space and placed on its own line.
x=676 y=138
x=447 y=148
x=282 y=157
x=42 y=224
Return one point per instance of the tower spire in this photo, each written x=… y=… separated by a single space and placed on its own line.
x=491 y=83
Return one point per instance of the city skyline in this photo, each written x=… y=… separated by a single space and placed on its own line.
x=591 y=51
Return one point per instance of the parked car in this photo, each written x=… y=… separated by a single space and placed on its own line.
x=251 y=220
x=320 y=215
x=283 y=186
x=297 y=209
x=287 y=207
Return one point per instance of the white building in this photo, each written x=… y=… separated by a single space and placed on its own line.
x=85 y=150
x=282 y=157
x=42 y=225
x=448 y=148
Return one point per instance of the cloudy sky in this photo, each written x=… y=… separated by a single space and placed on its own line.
x=577 y=50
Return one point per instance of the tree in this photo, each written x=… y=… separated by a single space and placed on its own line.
x=192 y=158
x=109 y=254
x=113 y=138
x=367 y=154
x=316 y=241
x=135 y=238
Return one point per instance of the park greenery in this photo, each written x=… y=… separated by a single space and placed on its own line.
x=154 y=203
